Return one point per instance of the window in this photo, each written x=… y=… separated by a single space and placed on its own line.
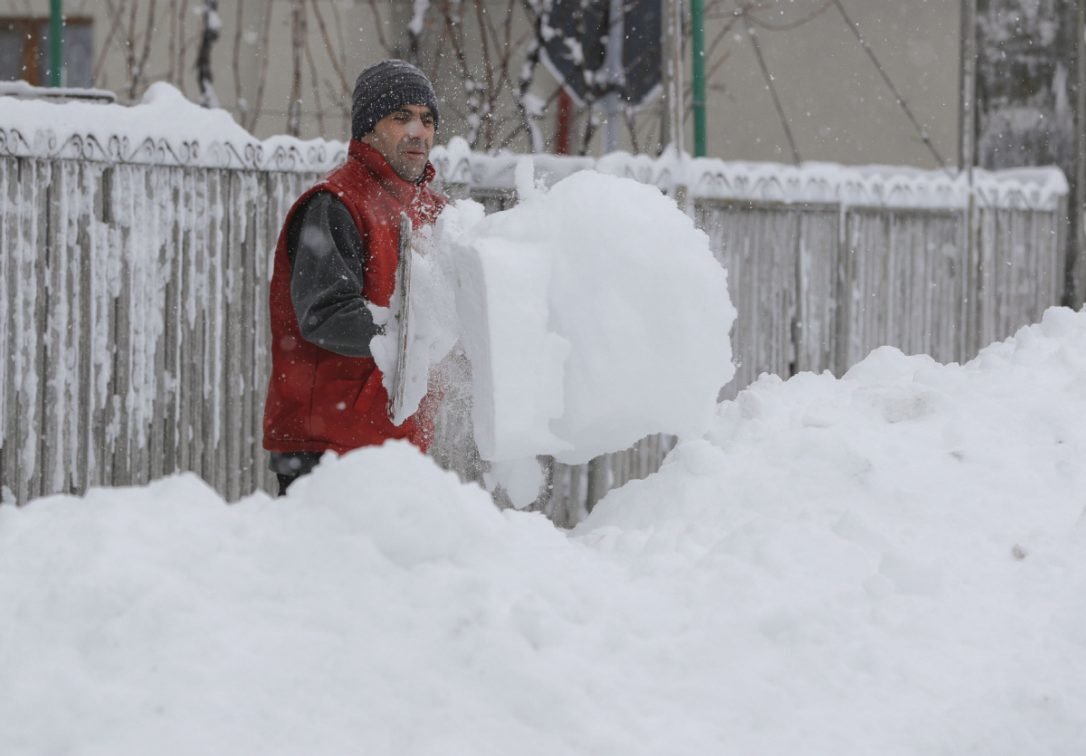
x=24 y=51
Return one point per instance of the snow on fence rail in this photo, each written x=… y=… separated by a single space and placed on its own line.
x=135 y=253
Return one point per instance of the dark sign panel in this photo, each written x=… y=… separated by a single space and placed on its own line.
x=576 y=33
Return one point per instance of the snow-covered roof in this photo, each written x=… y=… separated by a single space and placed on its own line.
x=26 y=90
x=167 y=129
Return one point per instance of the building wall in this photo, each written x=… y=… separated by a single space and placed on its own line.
x=839 y=107
x=837 y=104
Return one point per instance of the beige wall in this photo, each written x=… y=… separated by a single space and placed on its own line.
x=838 y=106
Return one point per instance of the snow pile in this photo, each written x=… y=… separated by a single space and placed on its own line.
x=893 y=562
x=164 y=128
x=162 y=113
x=593 y=314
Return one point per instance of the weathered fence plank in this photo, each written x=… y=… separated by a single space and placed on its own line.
x=757 y=246
x=133 y=315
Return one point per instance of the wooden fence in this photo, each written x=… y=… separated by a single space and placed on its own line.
x=133 y=290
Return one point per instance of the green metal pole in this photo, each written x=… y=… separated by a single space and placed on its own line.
x=56 y=41
x=697 y=26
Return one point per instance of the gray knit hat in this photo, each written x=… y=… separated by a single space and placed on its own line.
x=384 y=87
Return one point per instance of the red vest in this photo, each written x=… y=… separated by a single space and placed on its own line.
x=319 y=400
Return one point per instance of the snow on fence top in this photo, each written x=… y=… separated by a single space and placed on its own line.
x=167 y=129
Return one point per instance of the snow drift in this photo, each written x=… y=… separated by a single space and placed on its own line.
x=892 y=562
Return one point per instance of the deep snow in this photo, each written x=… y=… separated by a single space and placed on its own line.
x=893 y=562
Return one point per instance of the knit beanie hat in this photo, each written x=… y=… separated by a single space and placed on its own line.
x=385 y=87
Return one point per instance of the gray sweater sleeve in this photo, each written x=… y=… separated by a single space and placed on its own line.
x=328 y=259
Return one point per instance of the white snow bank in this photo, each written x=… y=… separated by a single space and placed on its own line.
x=889 y=563
x=165 y=128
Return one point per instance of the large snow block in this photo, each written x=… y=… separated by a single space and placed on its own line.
x=593 y=314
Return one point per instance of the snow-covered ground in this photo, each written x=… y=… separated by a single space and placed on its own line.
x=893 y=562
x=889 y=563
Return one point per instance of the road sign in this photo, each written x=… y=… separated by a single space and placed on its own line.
x=575 y=49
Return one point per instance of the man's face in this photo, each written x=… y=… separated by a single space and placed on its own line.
x=405 y=137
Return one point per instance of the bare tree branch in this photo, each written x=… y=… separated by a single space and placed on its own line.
x=631 y=128
x=337 y=66
x=380 y=27
x=342 y=104
x=130 y=52
x=414 y=35
x=789 y=25
x=522 y=127
x=262 y=81
x=171 y=45
x=530 y=115
x=297 y=39
x=488 y=71
x=239 y=24
x=890 y=84
x=753 y=36
x=315 y=84
x=183 y=40
x=116 y=15
x=204 y=75
x=589 y=129
x=339 y=26
x=454 y=30
x=147 y=34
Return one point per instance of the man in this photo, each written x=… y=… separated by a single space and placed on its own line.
x=337 y=253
